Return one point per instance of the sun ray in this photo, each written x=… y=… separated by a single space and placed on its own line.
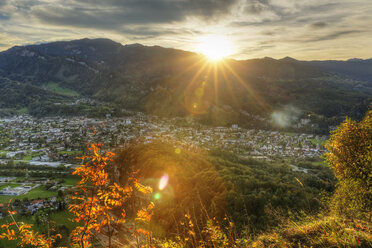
x=228 y=85
x=256 y=96
x=189 y=88
x=193 y=65
x=215 y=83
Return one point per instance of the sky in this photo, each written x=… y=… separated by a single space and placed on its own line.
x=302 y=29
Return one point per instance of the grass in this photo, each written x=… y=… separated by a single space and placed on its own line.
x=32 y=194
x=3 y=186
x=56 y=88
x=22 y=111
x=71 y=181
x=71 y=152
x=64 y=218
x=27 y=157
x=12 y=185
x=320 y=163
x=37 y=154
x=290 y=133
x=325 y=232
x=317 y=142
x=61 y=218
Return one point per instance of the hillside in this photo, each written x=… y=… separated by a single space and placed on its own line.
x=170 y=82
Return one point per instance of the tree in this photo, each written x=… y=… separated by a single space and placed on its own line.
x=60 y=194
x=350 y=156
x=27 y=237
x=98 y=204
x=98 y=199
x=194 y=184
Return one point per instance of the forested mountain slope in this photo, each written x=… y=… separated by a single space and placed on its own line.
x=170 y=82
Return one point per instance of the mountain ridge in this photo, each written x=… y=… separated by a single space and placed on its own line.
x=141 y=45
x=165 y=81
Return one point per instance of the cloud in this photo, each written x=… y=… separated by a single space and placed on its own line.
x=4 y=14
x=274 y=28
x=256 y=7
x=3 y=3
x=318 y=24
x=112 y=14
x=133 y=19
x=334 y=35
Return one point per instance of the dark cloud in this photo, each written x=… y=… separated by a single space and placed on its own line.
x=146 y=32
x=319 y=24
x=269 y=33
x=257 y=48
x=263 y=7
x=4 y=17
x=3 y=3
x=112 y=14
x=101 y=19
x=256 y=7
x=265 y=12
x=208 y=8
x=281 y=26
x=334 y=35
x=256 y=23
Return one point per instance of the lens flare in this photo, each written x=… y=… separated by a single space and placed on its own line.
x=157 y=196
x=198 y=97
x=163 y=181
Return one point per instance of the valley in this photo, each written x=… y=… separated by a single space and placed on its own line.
x=238 y=140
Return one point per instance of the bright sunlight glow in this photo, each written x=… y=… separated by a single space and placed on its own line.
x=163 y=181
x=215 y=47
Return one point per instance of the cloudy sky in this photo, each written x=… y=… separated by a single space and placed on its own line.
x=303 y=29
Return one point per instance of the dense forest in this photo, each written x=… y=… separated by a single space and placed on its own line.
x=222 y=184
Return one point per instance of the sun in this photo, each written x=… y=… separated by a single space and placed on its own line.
x=215 y=47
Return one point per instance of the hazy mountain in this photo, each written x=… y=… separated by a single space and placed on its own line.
x=172 y=82
x=356 y=69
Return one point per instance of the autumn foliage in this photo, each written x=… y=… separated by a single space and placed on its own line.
x=97 y=197
x=350 y=150
x=22 y=233
x=98 y=204
x=350 y=155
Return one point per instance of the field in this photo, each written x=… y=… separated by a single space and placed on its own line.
x=12 y=185
x=22 y=111
x=62 y=218
x=33 y=194
x=37 y=192
x=71 y=181
x=320 y=163
x=54 y=87
x=28 y=157
x=317 y=142
x=71 y=152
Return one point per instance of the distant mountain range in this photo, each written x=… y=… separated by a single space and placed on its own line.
x=42 y=79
